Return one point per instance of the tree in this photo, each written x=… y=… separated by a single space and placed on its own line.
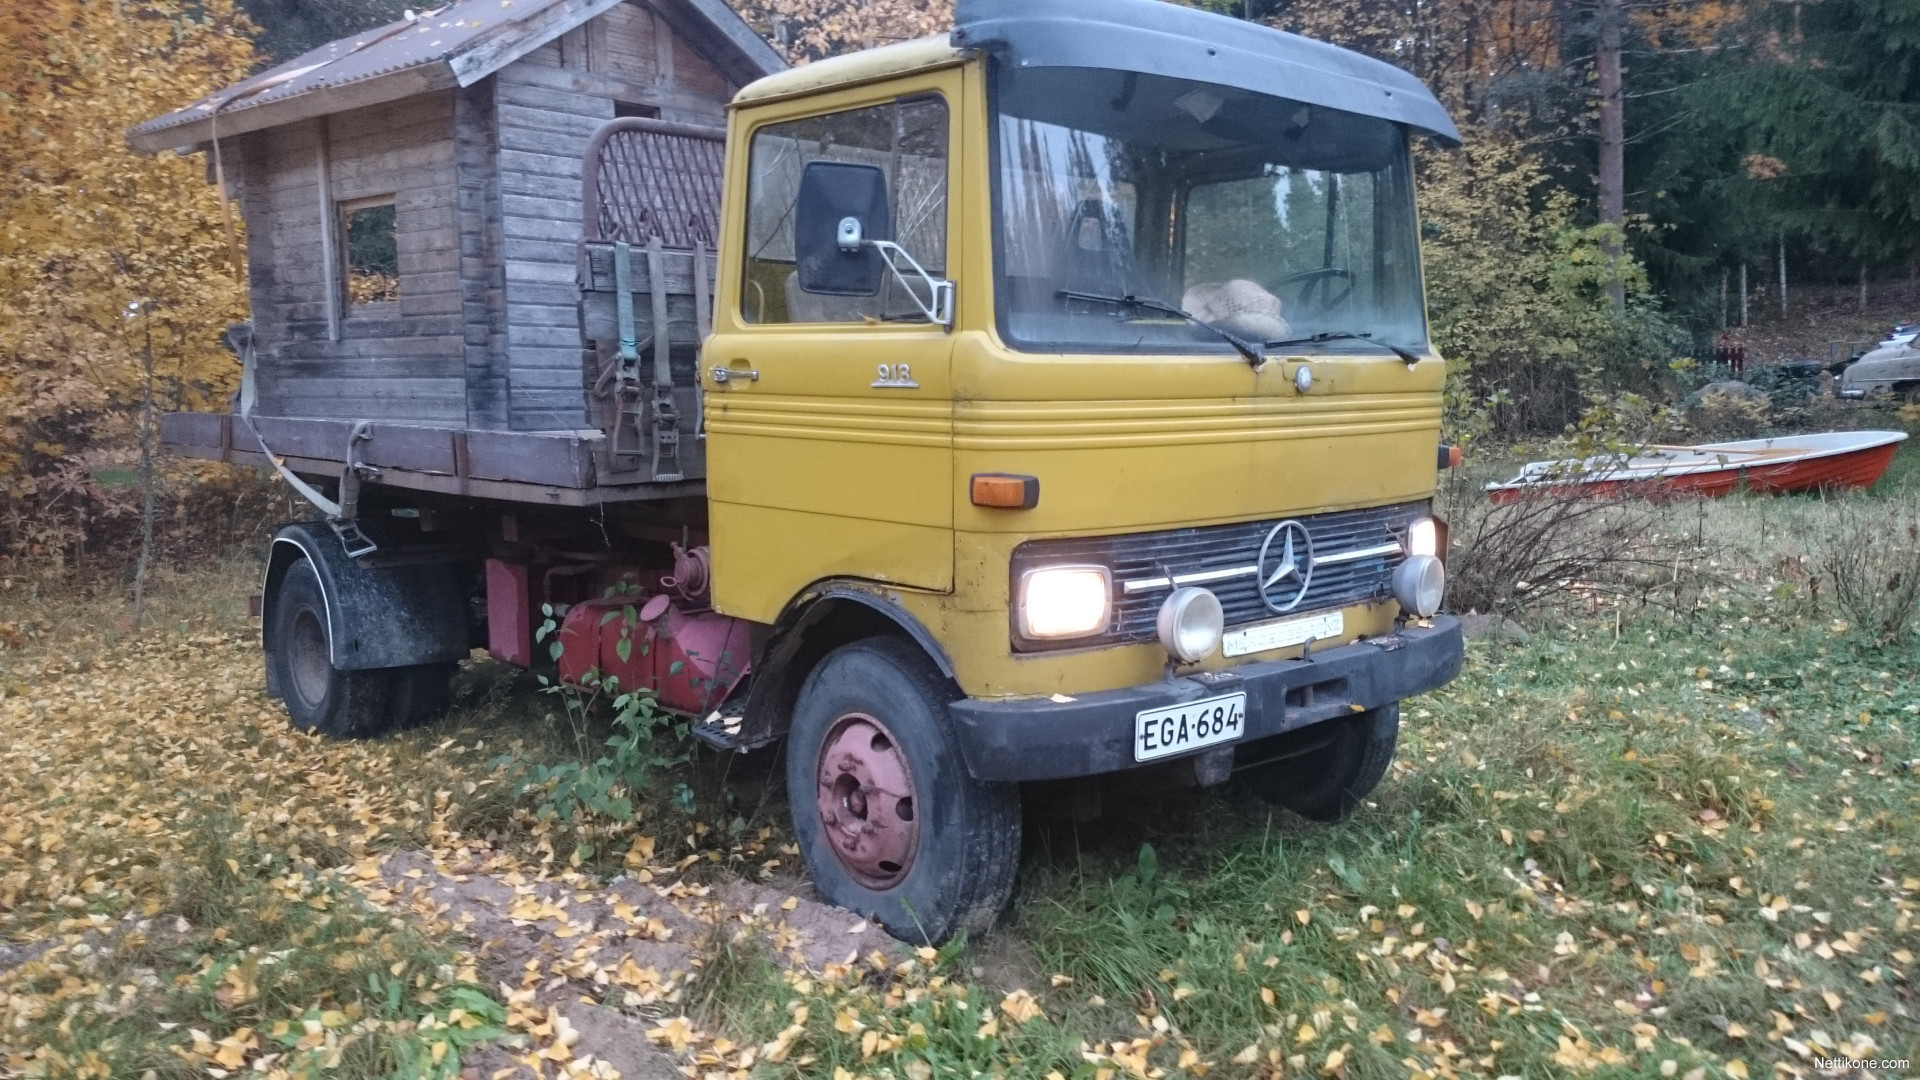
x=1518 y=292
x=111 y=263
x=291 y=27
x=1827 y=105
x=1611 y=106
x=815 y=29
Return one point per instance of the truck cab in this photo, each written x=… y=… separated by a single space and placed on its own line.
x=1154 y=483
x=1043 y=401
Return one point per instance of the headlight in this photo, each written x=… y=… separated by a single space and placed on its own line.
x=1190 y=623
x=1064 y=602
x=1419 y=584
x=1423 y=538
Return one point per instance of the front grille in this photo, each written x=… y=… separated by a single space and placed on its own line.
x=1180 y=552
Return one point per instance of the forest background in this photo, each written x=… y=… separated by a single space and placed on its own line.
x=1633 y=173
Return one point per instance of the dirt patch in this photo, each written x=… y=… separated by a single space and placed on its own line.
x=1474 y=625
x=603 y=964
x=13 y=956
x=804 y=932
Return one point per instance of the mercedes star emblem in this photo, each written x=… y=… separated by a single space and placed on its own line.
x=1285 y=567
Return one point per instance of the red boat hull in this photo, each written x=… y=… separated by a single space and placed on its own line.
x=1849 y=469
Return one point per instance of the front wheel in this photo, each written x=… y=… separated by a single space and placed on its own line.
x=890 y=822
x=1322 y=772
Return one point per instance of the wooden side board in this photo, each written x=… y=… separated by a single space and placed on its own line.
x=546 y=468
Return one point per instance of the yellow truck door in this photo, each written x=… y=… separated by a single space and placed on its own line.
x=828 y=409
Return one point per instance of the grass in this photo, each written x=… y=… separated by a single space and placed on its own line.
x=1582 y=836
x=1598 y=853
x=1645 y=842
x=170 y=895
x=242 y=955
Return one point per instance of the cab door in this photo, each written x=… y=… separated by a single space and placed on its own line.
x=828 y=415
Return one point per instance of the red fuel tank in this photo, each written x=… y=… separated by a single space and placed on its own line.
x=690 y=660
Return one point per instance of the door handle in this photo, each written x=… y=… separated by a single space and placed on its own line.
x=727 y=374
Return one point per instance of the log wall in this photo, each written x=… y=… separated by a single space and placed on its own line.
x=486 y=184
x=317 y=354
x=549 y=104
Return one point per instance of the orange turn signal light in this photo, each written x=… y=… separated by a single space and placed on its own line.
x=1009 y=491
x=1450 y=456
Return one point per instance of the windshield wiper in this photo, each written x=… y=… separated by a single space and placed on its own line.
x=1347 y=335
x=1246 y=348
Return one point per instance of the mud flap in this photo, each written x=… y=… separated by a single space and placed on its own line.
x=390 y=616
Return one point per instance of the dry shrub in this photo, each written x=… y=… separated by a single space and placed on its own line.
x=1729 y=416
x=85 y=521
x=1550 y=546
x=1870 y=554
x=47 y=519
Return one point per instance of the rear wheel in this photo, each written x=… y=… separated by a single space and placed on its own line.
x=889 y=820
x=419 y=694
x=323 y=698
x=1323 y=772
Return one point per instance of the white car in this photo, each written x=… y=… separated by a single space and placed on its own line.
x=1893 y=367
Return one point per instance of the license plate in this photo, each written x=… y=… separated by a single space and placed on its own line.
x=1160 y=732
x=1283 y=632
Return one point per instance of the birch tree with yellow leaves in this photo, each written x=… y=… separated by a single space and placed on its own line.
x=116 y=282
x=814 y=29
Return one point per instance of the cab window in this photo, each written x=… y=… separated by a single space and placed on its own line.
x=906 y=140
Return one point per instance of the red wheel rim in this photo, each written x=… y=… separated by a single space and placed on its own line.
x=865 y=801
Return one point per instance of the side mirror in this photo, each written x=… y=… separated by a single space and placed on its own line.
x=841 y=205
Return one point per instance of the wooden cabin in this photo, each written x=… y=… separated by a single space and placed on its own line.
x=417 y=231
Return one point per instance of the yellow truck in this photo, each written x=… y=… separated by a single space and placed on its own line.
x=1046 y=400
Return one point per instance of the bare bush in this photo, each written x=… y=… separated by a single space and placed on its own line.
x=1870 y=555
x=1727 y=416
x=1513 y=555
x=1556 y=546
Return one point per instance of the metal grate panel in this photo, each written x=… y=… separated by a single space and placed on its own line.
x=644 y=178
x=1146 y=556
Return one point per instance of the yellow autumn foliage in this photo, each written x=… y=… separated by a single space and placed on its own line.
x=108 y=258
x=813 y=29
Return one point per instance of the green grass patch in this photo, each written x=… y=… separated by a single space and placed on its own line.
x=244 y=958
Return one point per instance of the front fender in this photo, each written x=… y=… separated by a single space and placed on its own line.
x=824 y=617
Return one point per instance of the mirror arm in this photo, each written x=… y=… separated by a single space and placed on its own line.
x=939 y=290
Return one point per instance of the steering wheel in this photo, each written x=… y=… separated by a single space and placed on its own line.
x=1325 y=287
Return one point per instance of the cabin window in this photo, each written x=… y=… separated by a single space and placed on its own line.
x=628 y=108
x=371 y=250
x=906 y=140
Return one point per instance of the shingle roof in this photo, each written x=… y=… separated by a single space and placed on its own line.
x=454 y=45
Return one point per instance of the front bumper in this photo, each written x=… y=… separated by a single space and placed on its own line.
x=1044 y=739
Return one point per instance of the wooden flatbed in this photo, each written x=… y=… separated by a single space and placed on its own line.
x=548 y=468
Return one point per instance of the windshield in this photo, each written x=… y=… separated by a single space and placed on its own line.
x=1264 y=217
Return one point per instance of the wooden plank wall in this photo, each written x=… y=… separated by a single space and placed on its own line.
x=483 y=287
x=486 y=180
x=399 y=360
x=549 y=103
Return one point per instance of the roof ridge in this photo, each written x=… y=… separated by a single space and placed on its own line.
x=424 y=53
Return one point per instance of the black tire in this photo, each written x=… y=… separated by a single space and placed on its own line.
x=961 y=869
x=319 y=697
x=1343 y=761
